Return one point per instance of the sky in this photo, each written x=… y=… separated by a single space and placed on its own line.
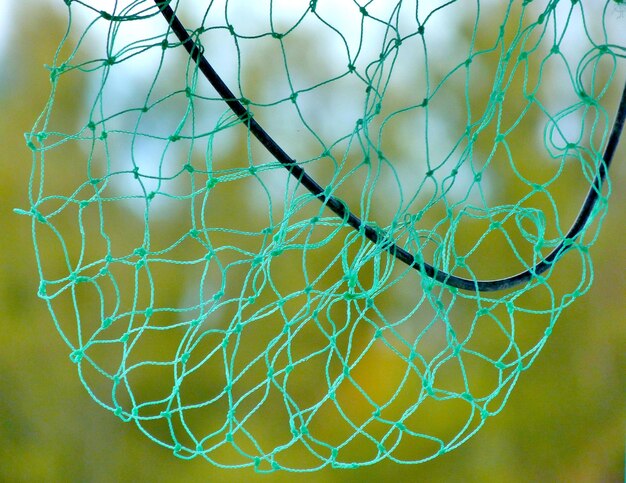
x=325 y=50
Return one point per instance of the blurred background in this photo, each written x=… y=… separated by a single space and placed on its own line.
x=565 y=420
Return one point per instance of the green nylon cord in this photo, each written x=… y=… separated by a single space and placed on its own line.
x=209 y=298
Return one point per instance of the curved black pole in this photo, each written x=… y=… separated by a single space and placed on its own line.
x=375 y=236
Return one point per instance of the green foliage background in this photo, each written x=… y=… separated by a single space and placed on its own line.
x=565 y=420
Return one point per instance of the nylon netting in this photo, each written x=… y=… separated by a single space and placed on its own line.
x=212 y=301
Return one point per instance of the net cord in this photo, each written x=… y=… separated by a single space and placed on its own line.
x=374 y=235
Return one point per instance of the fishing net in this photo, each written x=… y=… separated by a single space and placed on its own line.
x=297 y=234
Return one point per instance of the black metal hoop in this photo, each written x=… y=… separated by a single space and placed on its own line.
x=375 y=236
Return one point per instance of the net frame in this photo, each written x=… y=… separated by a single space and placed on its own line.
x=369 y=231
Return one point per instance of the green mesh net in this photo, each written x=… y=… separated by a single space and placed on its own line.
x=296 y=234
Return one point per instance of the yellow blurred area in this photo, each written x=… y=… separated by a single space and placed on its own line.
x=565 y=419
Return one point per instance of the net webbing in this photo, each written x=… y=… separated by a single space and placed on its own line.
x=235 y=310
